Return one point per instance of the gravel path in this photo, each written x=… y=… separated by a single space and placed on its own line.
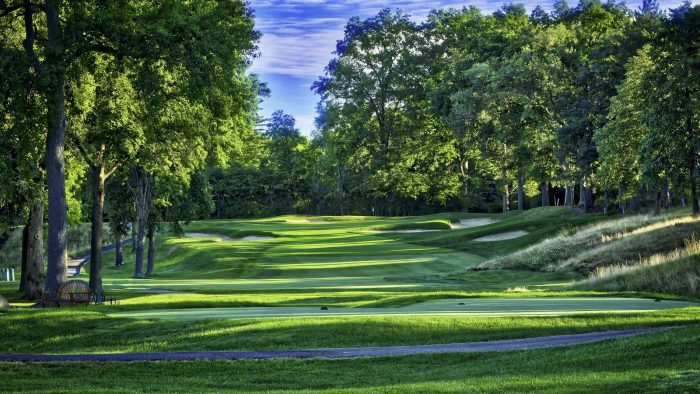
x=468 y=347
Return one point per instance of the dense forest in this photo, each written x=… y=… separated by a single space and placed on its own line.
x=138 y=113
x=595 y=106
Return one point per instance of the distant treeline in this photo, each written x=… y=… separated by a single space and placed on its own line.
x=596 y=106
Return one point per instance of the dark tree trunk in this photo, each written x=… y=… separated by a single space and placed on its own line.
x=545 y=194
x=506 y=191
x=694 y=195
x=587 y=197
x=151 y=250
x=506 y=197
x=668 y=201
x=607 y=202
x=118 y=254
x=133 y=236
x=33 y=257
x=620 y=196
x=657 y=203
x=4 y=237
x=464 y=168
x=142 y=195
x=25 y=246
x=569 y=196
x=521 y=193
x=55 y=163
x=98 y=196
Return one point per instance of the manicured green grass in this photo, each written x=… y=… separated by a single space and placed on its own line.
x=84 y=331
x=665 y=362
x=362 y=277
x=478 y=307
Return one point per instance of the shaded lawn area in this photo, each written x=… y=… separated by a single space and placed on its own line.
x=660 y=362
x=81 y=331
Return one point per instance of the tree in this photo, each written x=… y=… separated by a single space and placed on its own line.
x=104 y=128
x=671 y=95
x=21 y=168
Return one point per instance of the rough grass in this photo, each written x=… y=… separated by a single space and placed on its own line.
x=628 y=249
x=665 y=362
x=583 y=249
x=677 y=272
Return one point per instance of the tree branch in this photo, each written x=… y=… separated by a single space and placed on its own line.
x=8 y=9
x=110 y=172
x=28 y=42
x=79 y=145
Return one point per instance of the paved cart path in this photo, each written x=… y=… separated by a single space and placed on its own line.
x=490 y=346
x=76 y=264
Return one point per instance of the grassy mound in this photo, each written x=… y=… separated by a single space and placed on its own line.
x=677 y=272
x=571 y=248
x=629 y=249
x=425 y=225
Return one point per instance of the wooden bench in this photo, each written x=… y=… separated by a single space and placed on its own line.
x=71 y=293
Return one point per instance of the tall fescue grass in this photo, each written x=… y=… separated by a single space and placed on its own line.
x=677 y=272
x=582 y=250
x=638 y=245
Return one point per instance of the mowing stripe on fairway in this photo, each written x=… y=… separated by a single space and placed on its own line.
x=474 y=307
x=467 y=347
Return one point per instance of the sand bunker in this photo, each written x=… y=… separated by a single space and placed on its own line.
x=469 y=223
x=221 y=237
x=502 y=236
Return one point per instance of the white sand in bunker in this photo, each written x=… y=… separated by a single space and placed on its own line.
x=469 y=223
x=227 y=238
x=502 y=236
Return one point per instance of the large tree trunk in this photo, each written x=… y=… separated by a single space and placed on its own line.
x=55 y=163
x=569 y=196
x=33 y=256
x=545 y=193
x=657 y=203
x=151 y=249
x=694 y=195
x=506 y=197
x=607 y=202
x=668 y=201
x=587 y=197
x=25 y=246
x=133 y=236
x=521 y=193
x=622 y=205
x=142 y=195
x=506 y=191
x=98 y=197
x=464 y=169
x=118 y=254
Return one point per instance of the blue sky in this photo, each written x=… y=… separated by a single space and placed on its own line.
x=299 y=37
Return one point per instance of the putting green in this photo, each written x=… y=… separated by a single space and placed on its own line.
x=477 y=307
